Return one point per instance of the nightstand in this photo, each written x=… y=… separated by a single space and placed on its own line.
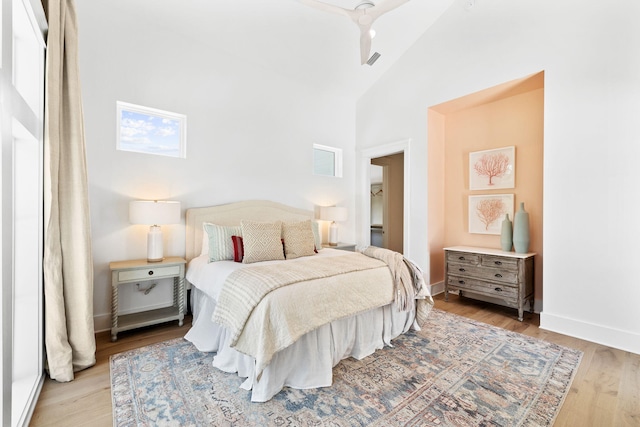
x=341 y=246
x=138 y=271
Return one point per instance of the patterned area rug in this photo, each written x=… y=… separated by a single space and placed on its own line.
x=455 y=372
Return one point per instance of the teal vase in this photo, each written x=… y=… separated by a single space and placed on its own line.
x=521 y=230
x=506 y=234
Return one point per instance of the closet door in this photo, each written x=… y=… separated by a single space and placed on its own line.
x=22 y=127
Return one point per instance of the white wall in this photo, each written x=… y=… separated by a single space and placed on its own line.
x=588 y=51
x=250 y=134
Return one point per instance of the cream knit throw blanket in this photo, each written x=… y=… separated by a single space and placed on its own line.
x=245 y=288
x=266 y=308
x=409 y=287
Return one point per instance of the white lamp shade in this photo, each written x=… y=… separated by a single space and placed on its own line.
x=152 y=212
x=333 y=213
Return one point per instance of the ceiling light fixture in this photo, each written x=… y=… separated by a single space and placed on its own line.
x=364 y=14
x=373 y=58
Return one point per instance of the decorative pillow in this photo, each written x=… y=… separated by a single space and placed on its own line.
x=261 y=241
x=205 y=242
x=298 y=238
x=220 y=244
x=238 y=248
x=315 y=226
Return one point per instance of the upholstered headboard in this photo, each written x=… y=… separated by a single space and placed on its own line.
x=232 y=214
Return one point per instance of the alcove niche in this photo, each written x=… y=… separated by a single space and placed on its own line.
x=510 y=114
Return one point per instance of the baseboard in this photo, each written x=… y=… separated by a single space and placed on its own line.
x=102 y=322
x=616 y=338
x=436 y=288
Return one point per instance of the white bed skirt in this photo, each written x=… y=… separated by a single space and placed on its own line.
x=309 y=362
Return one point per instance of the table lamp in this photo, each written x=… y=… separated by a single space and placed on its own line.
x=154 y=213
x=333 y=214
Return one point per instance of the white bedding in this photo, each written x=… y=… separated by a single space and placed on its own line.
x=309 y=361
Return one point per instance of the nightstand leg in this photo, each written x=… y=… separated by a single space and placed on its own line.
x=114 y=312
x=179 y=298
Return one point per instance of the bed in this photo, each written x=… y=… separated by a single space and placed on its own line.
x=353 y=302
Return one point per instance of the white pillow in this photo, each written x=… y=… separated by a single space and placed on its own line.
x=315 y=226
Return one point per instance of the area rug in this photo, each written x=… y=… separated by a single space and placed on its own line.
x=455 y=372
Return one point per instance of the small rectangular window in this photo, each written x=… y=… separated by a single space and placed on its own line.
x=327 y=161
x=151 y=131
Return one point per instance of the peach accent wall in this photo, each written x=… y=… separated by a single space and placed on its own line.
x=514 y=121
x=435 y=192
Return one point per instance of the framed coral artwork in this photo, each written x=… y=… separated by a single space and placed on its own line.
x=486 y=212
x=492 y=169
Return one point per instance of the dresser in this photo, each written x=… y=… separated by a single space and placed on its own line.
x=506 y=278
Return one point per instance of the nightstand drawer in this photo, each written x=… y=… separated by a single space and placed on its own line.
x=150 y=273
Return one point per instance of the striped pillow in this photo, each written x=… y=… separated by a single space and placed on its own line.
x=220 y=244
x=261 y=241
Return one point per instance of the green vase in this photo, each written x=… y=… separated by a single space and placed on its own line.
x=521 y=230
x=506 y=234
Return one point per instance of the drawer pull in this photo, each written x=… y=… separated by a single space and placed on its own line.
x=461 y=258
x=461 y=269
x=498 y=275
x=498 y=262
x=498 y=289
x=460 y=282
x=150 y=272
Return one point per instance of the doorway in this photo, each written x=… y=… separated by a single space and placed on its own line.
x=387 y=203
x=403 y=149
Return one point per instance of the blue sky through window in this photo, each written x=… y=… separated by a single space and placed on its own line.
x=150 y=133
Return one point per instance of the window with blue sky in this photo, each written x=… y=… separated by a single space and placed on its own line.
x=151 y=131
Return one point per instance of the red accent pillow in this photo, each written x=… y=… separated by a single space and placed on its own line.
x=238 y=248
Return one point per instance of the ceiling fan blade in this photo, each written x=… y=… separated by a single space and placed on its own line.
x=365 y=43
x=327 y=7
x=385 y=7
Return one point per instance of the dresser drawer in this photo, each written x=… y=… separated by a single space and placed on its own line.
x=503 y=275
x=463 y=258
x=151 y=273
x=499 y=262
x=497 y=290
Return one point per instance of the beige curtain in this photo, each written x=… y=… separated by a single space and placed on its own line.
x=68 y=267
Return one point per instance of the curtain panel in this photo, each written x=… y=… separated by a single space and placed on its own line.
x=68 y=265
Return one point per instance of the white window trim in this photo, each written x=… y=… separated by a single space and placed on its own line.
x=337 y=158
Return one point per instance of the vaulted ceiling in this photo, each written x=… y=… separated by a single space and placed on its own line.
x=304 y=44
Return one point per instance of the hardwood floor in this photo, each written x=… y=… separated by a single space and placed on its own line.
x=605 y=390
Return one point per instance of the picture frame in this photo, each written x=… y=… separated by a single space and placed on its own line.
x=150 y=130
x=486 y=212
x=492 y=169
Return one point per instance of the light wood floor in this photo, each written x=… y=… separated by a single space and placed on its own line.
x=605 y=391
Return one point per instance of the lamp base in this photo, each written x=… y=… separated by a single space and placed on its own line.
x=154 y=244
x=333 y=234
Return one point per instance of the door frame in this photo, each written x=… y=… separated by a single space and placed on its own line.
x=366 y=154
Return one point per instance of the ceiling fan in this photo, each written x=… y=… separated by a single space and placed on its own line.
x=364 y=14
